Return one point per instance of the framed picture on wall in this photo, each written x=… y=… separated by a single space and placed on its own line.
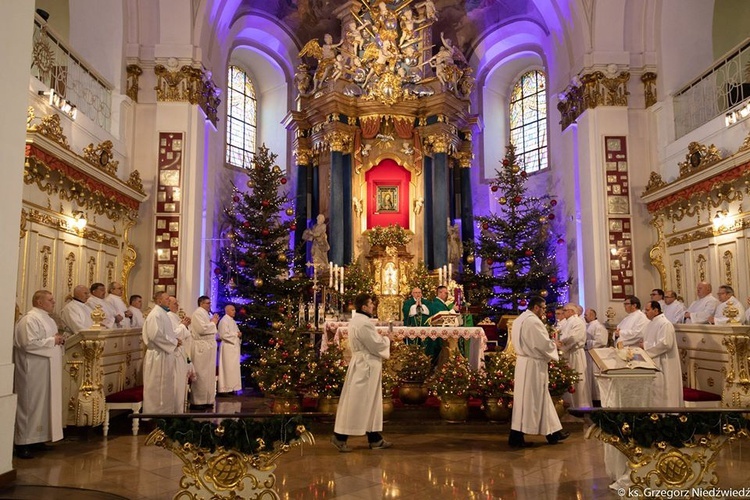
x=386 y=199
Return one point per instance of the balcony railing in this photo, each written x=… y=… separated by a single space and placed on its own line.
x=721 y=87
x=61 y=69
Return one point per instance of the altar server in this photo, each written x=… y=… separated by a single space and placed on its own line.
x=114 y=298
x=203 y=327
x=572 y=342
x=726 y=296
x=76 y=314
x=230 y=379
x=37 y=354
x=660 y=343
x=630 y=329
x=136 y=313
x=98 y=293
x=702 y=309
x=184 y=370
x=160 y=362
x=533 y=409
x=596 y=338
x=673 y=309
x=360 y=409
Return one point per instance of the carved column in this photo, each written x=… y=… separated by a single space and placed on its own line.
x=90 y=401
x=736 y=392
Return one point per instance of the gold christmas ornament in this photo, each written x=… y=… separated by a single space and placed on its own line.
x=219 y=431
x=276 y=325
x=251 y=184
x=515 y=169
x=290 y=211
x=282 y=257
x=276 y=169
x=509 y=264
x=470 y=259
x=503 y=200
x=258 y=282
x=544 y=293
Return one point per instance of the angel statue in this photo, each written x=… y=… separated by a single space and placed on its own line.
x=319 y=239
x=455 y=247
x=326 y=56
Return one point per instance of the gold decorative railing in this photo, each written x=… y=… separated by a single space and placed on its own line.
x=61 y=69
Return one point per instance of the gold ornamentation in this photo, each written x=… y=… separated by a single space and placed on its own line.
x=46 y=252
x=591 y=90
x=92 y=271
x=338 y=141
x=656 y=254
x=736 y=393
x=129 y=258
x=135 y=181
x=49 y=127
x=649 y=88
x=134 y=72
x=745 y=144
x=464 y=158
x=97 y=316
x=177 y=85
x=691 y=236
x=303 y=155
x=728 y=259
x=439 y=143
x=70 y=262
x=23 y=223
x=110 y=272
x=64 y=225
x=677 y=266
x=699 y=157
x=654 y=182
x=42 y=55
x=700 y=263
x=221 y=474
x=101 y=157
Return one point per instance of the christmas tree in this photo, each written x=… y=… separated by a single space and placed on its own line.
x=517 y=245
x=253 y=269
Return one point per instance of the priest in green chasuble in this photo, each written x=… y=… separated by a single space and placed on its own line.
x=416 y=309
x=440 y=303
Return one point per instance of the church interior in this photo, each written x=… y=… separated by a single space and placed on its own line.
x=138 y=128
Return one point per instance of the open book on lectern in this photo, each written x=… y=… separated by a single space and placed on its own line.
x=623 y=361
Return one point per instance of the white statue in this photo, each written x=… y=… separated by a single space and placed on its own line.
x=455 y=247
x=319 y=239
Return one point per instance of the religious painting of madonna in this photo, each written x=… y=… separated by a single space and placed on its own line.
x=387 y=199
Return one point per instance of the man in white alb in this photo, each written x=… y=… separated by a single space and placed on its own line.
x=97 y=299
x=702 y=309
x=673 y=309
x=184 y=369
x=136 y=318
x=230 y=379
x=660 y=343
x=37 y=358
x=630 y=329
x=597 y=337
x=203 y=328
x=726 y=298
x=571 y=342
x=76 y=314
x=118 y=305
x=160 y=361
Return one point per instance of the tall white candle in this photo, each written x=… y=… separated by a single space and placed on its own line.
x=440 y=276
x=330 y=275
x=450 y=271
x=342 y=279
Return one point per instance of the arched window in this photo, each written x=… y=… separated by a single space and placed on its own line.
x=242 y=118
x=528 y=121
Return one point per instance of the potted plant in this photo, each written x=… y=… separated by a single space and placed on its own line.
x=562 y=379
x=496 y=386
x=413 y=367
x=390 y=380
x=453 y=382
x=325 y=377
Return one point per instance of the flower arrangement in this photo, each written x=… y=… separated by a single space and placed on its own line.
x=561 y=378
x=391 y=236
x=454 y=378
x=410 y=363
x=497 y=378
x=326 y=374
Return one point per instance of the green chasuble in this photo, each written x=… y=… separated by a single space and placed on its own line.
x=419 y=319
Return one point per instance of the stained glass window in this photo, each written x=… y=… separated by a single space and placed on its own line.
x=242 y=113
x=528 y=121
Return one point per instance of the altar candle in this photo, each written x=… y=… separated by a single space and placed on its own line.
x=342 y=278
x=440 y=276
x=450 y=271
x=330 y=275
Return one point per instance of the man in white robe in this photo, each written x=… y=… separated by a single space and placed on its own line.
x=37 y=354
x=533 y=409
x=114 y=298
x=660 y=343
x=596 y=338
x=183 y=368
x=726 y=297
x=160 y=361
x=98 y=293
x=360 y=409
x=203 y=328
x=76 y=314
x=572 y=342
x=674 y=310
x=136 y=313
x=230 y=379
x=702 y=309
x=630 y=329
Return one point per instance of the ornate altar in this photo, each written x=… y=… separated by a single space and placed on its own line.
x=380 y=122
x=391 y=268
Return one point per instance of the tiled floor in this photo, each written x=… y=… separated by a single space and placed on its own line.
x=429 y=460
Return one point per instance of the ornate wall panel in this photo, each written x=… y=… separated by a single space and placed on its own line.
x=168 y=206
x=619 y=223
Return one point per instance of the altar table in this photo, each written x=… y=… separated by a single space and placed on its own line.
x=475 y=335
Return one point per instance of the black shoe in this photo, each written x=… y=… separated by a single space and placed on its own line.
x=24 y=452
x=557 y=437
x=522 y=444
x=41 y=447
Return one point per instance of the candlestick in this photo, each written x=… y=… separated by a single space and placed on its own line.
x=450 y=271
x=342 y=279
x=440 y=276
x=330 y=275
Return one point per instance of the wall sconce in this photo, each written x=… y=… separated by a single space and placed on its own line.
x=79 y=220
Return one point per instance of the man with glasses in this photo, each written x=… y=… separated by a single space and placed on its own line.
x=726 y=298
x=572 y=342
x=204 y=330
x=674 y=310
x=533 y=409
x=658 y=295
x=702 y=309
x=630 y=330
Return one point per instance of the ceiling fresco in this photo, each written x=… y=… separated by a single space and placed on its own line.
x=463 y=21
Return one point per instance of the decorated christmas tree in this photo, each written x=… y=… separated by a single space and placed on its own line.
x=281 y=367
x=422 y=279
x=517 y=245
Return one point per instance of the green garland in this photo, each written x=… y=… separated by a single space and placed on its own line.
x=245 y=435
x=391 y=236
x=646 y=429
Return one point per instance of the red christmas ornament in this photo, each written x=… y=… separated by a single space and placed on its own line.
x=517 y=200
x=494 y=189
x=242 y=263
x=489 y=262
x=551 y=216
x=528 y=253
x=505 y=162
x=262 y=255
x=293 y=226
x=550 y=314
x=236 y=199
x=217 y=271
x=522 y=302
x=560 y=241
x=243 y=311
x=246 y=224
x=272 y=341
x=265 y=232
x=524 y=174
x=485 y=226
x=553 y=279
x=553 y=203
x=264 y=203
x=283 y=180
